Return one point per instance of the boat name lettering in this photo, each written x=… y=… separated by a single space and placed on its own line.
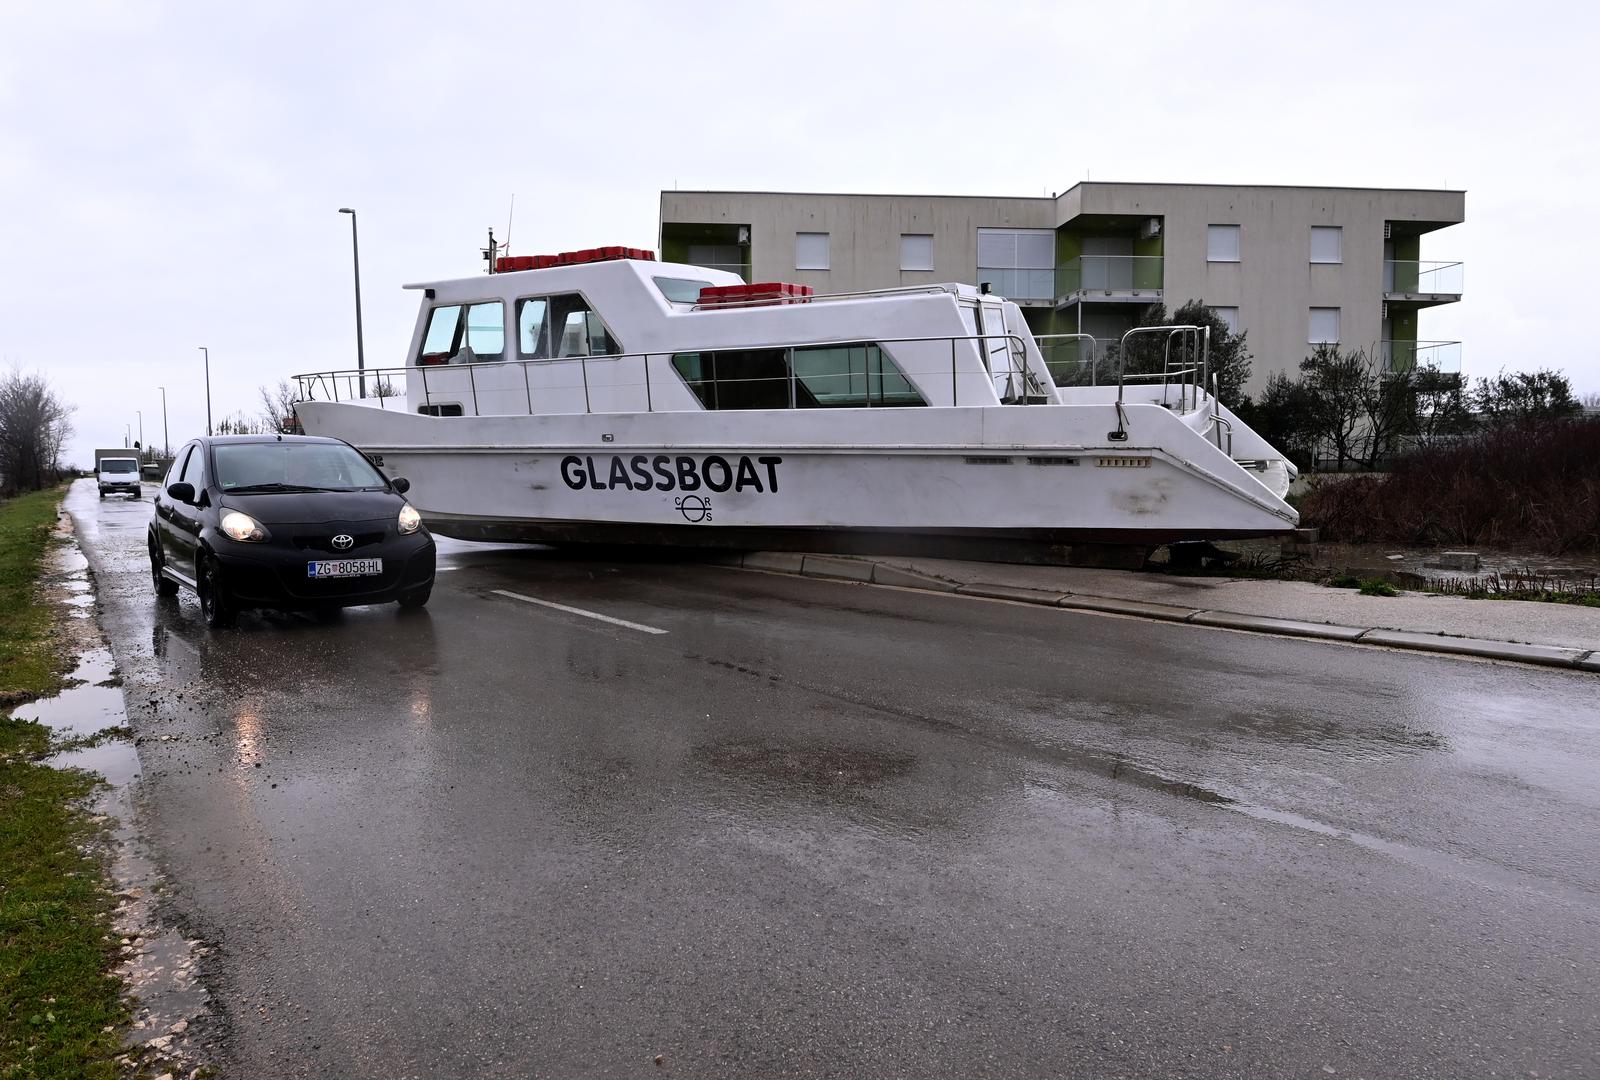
x=665 y=472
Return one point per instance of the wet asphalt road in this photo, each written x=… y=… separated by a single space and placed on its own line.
x=821 y=829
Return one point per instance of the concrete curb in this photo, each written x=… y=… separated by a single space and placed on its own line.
x=866 y=571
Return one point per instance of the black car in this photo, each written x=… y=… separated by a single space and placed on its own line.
x=289 y=522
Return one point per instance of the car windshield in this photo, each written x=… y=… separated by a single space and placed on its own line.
x=118 y=465
x=291 y=466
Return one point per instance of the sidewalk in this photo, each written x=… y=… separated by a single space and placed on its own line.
x=1559 y=635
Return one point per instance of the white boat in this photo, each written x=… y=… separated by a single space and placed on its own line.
x=604 y=396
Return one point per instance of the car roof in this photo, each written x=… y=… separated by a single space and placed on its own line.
x=224 y=440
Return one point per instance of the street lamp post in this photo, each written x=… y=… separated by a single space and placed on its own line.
x=355 y=254
x=207 y=351
x=166 y=445
x=140 y=414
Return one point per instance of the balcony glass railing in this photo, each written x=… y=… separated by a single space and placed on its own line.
x=1016 y=283
x=1404 y=356
x=1410 y=276
x=1109 y=274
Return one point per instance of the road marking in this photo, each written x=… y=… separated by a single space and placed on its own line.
x=580 y=611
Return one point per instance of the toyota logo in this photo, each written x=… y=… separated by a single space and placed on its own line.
x=344 y=542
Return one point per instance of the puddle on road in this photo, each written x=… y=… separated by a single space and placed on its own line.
x=92 y=702
x=816 y=767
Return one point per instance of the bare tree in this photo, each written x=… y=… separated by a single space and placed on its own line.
x=277 y=413
x=34 y=426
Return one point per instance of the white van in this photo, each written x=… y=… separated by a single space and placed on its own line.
x=119 y=475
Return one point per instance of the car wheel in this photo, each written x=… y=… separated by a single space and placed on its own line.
x=416 y=598
x=215 y=604
x=165 y=586
x=102 y=493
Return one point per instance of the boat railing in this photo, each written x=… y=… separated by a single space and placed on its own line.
x=364 y=384
x=1082 y=359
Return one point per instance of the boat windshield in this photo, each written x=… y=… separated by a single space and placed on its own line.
x=293 y=466
x=679 y=290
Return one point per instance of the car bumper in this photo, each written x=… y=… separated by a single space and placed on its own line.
x=130 y=488
x=277 y=577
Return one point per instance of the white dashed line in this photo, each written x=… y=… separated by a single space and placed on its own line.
x=580 y=611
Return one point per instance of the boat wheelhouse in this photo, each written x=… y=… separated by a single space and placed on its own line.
x=604 y=396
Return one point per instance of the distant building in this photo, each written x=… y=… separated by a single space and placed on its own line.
x=1295 y=266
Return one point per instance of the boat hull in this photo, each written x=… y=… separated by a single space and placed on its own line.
x=975 y=477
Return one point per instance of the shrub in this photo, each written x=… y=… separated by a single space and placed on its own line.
x=1530 y=485
x=1378 y=587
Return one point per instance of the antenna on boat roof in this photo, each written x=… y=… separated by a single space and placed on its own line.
x=510 y=214
x=490 y=252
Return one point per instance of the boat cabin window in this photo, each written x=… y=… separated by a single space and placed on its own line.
x=462 y=333
x=564 y=325
x=679 y=290
x=807 y=377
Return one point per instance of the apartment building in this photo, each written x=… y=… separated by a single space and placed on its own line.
x=1294 y=266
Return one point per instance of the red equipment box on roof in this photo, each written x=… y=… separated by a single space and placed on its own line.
x=756 y=295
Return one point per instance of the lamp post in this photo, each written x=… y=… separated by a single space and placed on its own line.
x=166 y=446
x=127 y=440
x=140 y=414
x=355 y=255
x=207 y=351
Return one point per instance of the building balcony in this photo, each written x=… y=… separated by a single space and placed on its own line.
x=1415 y=283
x=1418 y=356
x=1126 y=279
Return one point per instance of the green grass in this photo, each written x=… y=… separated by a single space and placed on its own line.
x=29 y=668
x=55 y=948
x=55 y=945
x=1378 y=587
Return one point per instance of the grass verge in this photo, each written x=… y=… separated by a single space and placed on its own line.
x=56 y=995
x=29 y=668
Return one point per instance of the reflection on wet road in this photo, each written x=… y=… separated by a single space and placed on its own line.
x=823 y=829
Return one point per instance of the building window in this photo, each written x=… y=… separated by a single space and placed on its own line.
x=916 y=251
x=1018 y=264
x=1222 y=243
x=1324 y=326
x=811 y=251
x=726 y=257
x=1327 y=244
x=1229 y=317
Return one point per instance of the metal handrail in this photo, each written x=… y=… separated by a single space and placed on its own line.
x=1094 y=361
x=329 y=380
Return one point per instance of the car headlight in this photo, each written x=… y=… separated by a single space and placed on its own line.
x=243 y=527
x=410 y=520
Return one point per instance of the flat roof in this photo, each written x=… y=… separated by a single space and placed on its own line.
x=1058 y=194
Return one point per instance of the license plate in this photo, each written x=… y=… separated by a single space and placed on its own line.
x=341 y=568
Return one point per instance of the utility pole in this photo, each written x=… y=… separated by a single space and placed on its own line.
x=140 y=414
x=355 y=254
x=166 y=445
x=207 y=351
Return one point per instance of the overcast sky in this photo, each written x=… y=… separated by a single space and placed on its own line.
x=171 y=173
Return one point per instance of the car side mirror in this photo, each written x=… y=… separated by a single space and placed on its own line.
x=181 y=492
x=400 y=484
